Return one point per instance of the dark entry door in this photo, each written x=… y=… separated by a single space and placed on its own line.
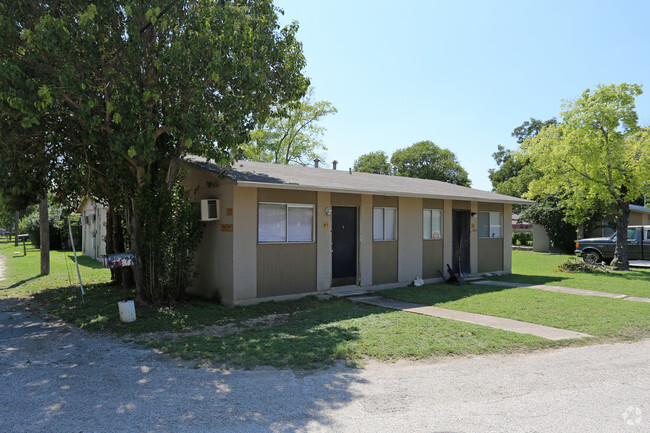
x=344 y=245
x=461 y=229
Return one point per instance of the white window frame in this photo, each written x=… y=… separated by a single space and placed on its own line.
x=495 y=219
x=287 y=228
x=433 y=231
x=383 y=222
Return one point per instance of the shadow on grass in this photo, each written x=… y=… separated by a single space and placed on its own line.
x=432 y=294
x=21 y=282
x=307 y=333
x=302 y=345
x=85 y=261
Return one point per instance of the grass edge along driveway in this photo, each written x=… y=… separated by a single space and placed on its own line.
x=312 y=333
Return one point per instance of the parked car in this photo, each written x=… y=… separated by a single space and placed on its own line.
x=596 y=250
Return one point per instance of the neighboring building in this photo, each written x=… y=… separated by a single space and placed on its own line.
x=519 y=225
x=639 y=215
x=279 y=231
x=93 y=228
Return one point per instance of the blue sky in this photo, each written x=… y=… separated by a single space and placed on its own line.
x=462 y=74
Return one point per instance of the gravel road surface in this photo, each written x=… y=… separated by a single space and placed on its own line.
x=54 y=378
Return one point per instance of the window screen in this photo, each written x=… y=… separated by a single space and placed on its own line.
x=384 y=224
x=489 y=225
x=281 y=222
x=432 y=224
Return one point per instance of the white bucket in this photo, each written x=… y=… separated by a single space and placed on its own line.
x=127 y=311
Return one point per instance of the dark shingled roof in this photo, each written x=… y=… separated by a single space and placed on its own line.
x=262 y=174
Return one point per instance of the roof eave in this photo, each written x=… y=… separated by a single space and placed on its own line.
x=514 y=200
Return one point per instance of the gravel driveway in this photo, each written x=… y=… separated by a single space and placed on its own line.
x=54 y=378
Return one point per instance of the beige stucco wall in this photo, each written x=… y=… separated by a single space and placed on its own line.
x=409 y=235
x=638 y=218
x=214 y=257
x=366 y=252
x=473 y=238
x=323 y=242
x=541 y=241
x=244 y=253
x=448 y=234
x=507 y=238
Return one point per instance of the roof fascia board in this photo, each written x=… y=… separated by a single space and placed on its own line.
x=378 y=192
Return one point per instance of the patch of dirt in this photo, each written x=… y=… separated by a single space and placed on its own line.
x=215 y=330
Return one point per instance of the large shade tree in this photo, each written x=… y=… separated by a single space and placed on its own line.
x=373 y=162
x=426 y=160
x=126 y=90
x=598 y=151
x=291 y=135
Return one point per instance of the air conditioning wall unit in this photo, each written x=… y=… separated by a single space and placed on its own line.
x=210 y=209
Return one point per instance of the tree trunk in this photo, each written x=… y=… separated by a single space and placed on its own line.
x=139 y=273
x=620 y=256
x=44 y=223
x=110 y=243
x=16 y=228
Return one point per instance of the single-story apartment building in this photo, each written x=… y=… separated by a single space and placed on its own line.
x=93 y=228
x=275 y=232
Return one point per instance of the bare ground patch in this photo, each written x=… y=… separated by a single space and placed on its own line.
x=215 y=330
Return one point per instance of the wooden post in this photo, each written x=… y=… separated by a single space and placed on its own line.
x=45 y=236
x=16 y=228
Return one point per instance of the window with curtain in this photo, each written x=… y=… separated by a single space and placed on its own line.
x=285 y=222
x=490 y=225
x=384 y=227
x=431 y=224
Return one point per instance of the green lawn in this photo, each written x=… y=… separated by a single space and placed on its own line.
x=540 y=268
x=597 y=316
x=312 y=333
x=23 y=272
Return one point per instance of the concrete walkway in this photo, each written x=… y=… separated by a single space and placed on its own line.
x=558 y=289
x=547 y=332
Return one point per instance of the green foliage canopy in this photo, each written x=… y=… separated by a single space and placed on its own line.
x=425 y=160
x=124 y=91
x=597 y=152
x=373 y=162
x=292 y=134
